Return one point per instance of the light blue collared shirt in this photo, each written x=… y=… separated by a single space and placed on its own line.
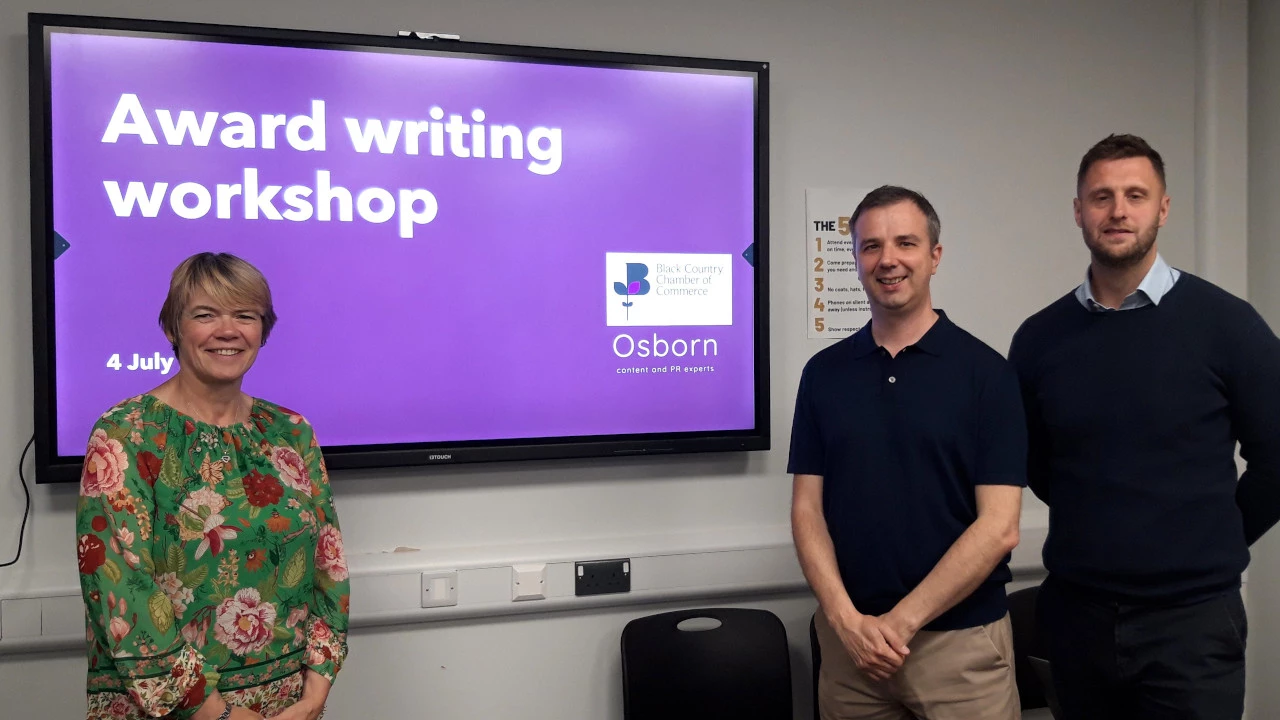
x=1158 y=282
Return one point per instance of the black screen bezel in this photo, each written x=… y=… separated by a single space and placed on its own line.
x=54 y=468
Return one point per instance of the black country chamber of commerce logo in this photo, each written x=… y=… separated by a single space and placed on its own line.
x=651 y=289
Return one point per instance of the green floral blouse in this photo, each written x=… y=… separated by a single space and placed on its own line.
x=209 y=557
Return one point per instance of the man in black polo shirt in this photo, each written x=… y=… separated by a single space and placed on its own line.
x=1138 y=385
x=909 y=455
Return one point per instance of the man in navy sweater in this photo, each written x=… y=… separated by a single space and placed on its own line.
x=909 y=455
x=1138 y=385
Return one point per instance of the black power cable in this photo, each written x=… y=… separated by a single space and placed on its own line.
x=23 y=530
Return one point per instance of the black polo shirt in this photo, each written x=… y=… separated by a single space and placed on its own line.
x=900 y=443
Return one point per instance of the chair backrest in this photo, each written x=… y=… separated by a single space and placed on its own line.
x=815 y=655
x=1041 y=666
x=1027 y=643
x=740 y=669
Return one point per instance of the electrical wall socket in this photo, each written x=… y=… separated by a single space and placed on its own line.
x=600 y=577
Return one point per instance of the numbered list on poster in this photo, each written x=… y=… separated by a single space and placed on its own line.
x=837 y=303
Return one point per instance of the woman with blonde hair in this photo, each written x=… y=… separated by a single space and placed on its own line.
x=211 y=561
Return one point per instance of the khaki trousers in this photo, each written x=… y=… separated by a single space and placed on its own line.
x=950 y=675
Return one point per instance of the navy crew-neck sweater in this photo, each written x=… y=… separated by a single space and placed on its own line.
x=1133 y=418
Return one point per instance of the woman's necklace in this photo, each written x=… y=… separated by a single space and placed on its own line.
x=213 y=441
x=219 y=436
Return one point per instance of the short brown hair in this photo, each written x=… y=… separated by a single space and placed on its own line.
x=1119 y=147
x=887 y=195
x=225 y=278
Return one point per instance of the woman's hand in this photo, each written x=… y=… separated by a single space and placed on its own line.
x=302 y=710
x=315 y=690
x=214 y=705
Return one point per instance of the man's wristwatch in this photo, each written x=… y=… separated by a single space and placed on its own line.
x=226 y=712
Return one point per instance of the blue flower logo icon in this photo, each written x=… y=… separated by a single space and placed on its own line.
x=636 y=285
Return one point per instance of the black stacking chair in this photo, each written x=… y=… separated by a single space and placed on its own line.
x=1035 y=686
x=815 y=654
x=707 y=664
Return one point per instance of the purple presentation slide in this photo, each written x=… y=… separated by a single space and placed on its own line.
x=459 y=248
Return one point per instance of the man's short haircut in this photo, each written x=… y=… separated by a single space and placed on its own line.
x=887 y=195
x=1119 y=147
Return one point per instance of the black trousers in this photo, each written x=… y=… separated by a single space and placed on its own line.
x=1144 y=662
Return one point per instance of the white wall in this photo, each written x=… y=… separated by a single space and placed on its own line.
x=1264 y=268
x=984 y=105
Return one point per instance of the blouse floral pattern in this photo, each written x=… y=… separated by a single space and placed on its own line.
x=210 y=557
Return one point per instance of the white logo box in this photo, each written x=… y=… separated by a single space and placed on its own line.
x=677 y=289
